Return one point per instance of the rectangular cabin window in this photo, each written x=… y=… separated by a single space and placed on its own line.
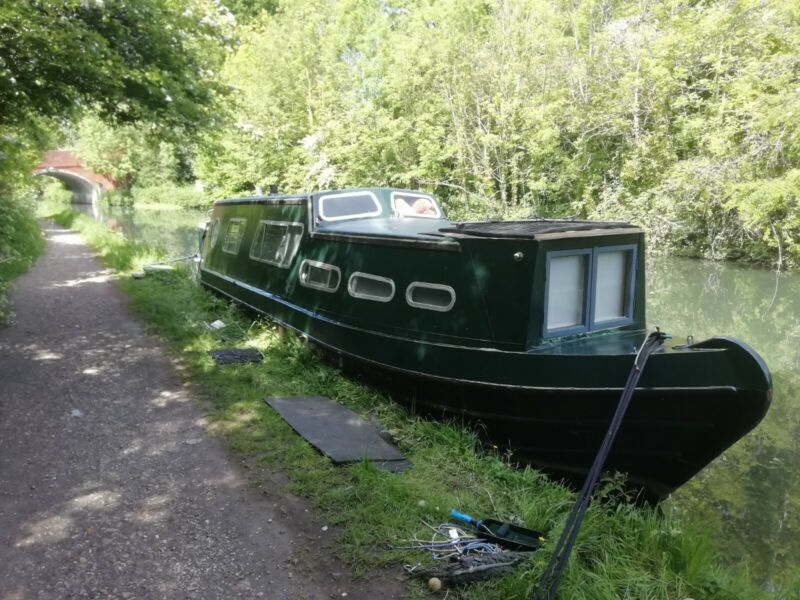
x=611 y=292
x=233 y=236
x=406 y=204
x=276 y=242
x=320 y=276
x=566 y=290
x=589 y=289
x=349 y=205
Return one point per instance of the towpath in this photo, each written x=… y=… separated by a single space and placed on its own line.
x=109 y=485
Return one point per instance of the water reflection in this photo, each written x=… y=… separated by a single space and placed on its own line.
x=749 y=494
x=172 y=229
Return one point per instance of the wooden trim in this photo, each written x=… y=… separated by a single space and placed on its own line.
x=563 y=235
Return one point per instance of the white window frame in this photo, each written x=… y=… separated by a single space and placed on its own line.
x=431 y=286
x=239 y=238
x=319 y=265
x=291 y=252
x=361 y=295
x=396 y=195
x=375 y=213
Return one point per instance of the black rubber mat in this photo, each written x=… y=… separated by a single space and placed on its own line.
x=232 y=356
x=338 y=432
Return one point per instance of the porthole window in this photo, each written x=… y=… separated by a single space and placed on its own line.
x=370 y=287
x=320 y=276
x=233 y=236
x=276 y=242
x=430 y=296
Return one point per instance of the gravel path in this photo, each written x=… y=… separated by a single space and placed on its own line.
x=109 y=485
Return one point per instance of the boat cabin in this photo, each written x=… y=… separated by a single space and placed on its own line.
x=388 y=260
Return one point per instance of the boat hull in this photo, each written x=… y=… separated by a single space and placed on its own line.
x=552 y=406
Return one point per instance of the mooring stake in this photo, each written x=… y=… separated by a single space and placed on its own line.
x=548 y=584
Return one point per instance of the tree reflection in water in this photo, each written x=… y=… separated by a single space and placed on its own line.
x=749 y=496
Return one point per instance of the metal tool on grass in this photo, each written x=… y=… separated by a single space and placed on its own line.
x=503 y=534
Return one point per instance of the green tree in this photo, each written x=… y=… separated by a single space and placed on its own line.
x=149 y=60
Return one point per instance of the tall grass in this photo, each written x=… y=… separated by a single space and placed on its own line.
x=623 y=551
x=20 y=244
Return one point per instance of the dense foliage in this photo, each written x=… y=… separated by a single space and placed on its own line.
x=135 y=61
x=20 y=244
x=676 y=114
x=146 y=62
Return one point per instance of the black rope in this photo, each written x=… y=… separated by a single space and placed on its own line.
x=548 y=584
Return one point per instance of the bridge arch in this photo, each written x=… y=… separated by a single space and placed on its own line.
x=83 y=190
x=85 y=185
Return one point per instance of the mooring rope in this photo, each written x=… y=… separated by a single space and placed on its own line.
x=548 y=584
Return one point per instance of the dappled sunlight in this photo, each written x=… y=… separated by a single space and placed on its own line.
x=47 y=355
x=48 y=530
x=66 y=238
x=103 y=276
x=166 y=397
x=103 y=500
x=153 y=509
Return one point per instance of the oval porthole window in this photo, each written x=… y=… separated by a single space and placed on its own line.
x=430 y=296
x=370 y=287
x=320 y=276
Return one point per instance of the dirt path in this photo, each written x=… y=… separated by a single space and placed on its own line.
x=109 y=485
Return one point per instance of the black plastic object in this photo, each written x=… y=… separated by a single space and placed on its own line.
x=503 y=534
x=234 y=356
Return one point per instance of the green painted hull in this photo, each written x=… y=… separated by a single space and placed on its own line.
x=488 y=358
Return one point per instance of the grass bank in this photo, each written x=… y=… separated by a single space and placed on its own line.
x=20 y=244
x=622 y=552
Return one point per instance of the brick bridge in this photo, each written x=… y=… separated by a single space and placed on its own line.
x=86 y=186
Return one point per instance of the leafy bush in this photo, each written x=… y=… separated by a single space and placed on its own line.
x=176 y=195
x=20 y=243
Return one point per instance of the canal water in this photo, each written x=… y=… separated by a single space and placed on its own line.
x=749 y=498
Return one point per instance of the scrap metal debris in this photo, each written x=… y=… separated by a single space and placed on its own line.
x=462 y=557
x=469 y=568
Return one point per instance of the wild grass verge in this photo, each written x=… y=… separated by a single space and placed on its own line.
x=20 y=244
x=623 y=551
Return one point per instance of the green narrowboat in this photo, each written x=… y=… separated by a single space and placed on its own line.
x=528 y=328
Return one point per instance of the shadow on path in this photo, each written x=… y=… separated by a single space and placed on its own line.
x=109 y=485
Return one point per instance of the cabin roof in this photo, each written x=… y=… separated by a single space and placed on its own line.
x=540 y=228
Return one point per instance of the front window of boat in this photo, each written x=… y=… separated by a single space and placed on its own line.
x=589 y=289
x=567 y=279
x=405 y=204
x=613 y=286
x=348 y=205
